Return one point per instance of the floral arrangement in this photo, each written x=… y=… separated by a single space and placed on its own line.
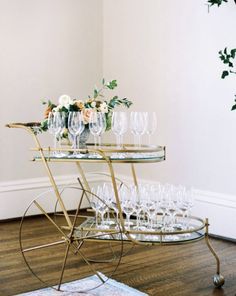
x=97 y=102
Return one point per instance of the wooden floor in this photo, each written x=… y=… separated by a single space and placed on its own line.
x=184 y=270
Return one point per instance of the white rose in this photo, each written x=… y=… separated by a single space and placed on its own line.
x=65 y=101
x=103 y=108
x=57 y=108
x=93 y=104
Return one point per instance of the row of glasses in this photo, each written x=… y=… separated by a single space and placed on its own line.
x=139 y=123
x=74 y=121
x=161 y=207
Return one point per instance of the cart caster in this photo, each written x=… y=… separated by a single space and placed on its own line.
x=218 y=280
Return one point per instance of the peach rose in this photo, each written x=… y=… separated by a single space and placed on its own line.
x=86 y=115
x=47 y=111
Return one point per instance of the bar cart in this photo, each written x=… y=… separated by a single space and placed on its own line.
x=73 y=233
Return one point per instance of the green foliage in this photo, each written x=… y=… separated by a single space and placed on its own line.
x=115 y=101
x=109 y=85
x=112 y=84
x=234 y=106
x=227 y=57
x=216 y=2
x=49 y=104
x=108 y=120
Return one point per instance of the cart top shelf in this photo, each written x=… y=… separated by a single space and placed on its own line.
x=128 y=153
x=106 y=153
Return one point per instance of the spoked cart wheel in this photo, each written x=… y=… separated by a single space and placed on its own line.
x=58 y=251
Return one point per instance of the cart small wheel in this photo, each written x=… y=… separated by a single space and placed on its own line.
x=218 y=280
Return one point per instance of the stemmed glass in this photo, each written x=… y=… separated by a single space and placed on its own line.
x=127 y=204
x=94 y=203
x=104 y=126
x=96 y=126
x=151 y=125
x=152 y=213
x=119 y=126
x=56 y=123
x=75 y=127
x=108 y=196
x=189 y=203
x=138 y=125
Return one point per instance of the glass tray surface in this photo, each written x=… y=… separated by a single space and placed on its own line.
x=89 y=227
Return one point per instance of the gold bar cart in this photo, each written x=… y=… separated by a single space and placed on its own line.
x=73 y=232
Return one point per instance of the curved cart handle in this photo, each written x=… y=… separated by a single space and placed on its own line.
x=23 y=124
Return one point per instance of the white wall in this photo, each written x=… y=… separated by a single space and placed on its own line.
x=47 y=48
x=165 y=57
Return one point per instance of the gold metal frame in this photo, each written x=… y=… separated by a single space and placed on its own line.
x=105 y=153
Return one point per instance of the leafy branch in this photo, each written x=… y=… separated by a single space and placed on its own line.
x=109 y=85
x=216 y=2
x=227 y=57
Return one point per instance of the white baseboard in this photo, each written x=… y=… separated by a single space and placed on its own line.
x=219 y=208
x=16 y=195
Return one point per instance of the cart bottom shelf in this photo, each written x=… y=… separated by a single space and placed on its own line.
x=139 y=234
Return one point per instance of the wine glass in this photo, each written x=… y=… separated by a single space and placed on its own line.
x=104 y=126
x=75 y=127
x=94 y=204
x=55 y=125
x=138 y=124
x=119 y=126
x=151 y=125
x=108 y=198
x=96 y=125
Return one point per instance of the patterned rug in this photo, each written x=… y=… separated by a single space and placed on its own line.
x=110 y=288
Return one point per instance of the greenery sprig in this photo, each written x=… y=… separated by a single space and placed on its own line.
x=227 y=57
x=216 y=2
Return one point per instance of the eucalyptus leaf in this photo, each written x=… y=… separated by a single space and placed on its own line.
x=233 y=107
x=224 y=74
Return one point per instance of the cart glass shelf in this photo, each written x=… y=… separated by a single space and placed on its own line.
x=107 y=152
x=195 y=231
